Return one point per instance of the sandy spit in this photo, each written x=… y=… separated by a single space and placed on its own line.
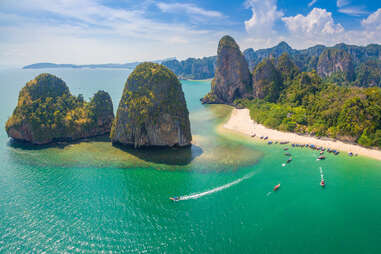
x=240 y=121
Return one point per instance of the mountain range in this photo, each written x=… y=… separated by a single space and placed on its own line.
x=342 y=63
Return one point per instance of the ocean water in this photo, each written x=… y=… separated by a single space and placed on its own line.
x=90 y=197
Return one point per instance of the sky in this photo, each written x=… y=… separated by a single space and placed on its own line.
x=120 y=31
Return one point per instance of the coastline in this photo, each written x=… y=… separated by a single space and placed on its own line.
x=207 y=79
x=240 y=121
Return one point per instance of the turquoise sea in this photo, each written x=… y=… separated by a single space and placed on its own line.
x=90 y=197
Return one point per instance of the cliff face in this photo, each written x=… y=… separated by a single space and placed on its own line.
x=267 y=81
x=305 y=60
x=152 y=110
x=193 y=68
x=287 y=68
x=255 y=57
x=232 y=78
x=334 y=60
x=251 y=58
x=47 y=112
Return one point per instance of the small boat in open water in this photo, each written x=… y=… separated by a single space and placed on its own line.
x=174 y=199
x=276 y=187
x=321 y=157
x=322 y=183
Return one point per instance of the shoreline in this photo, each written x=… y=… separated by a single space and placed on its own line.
x=240 y=121
x=207 y=79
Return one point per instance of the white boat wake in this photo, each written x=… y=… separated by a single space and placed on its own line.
x=228 y=185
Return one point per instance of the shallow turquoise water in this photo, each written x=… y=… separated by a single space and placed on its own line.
x=92 y=197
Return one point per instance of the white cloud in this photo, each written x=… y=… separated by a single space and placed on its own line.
x=189 y=9
x=373 y=21
x=312 y=3
x=264 y=15
x=87 y=32
x=317 y=22
x=319 y=27
x=353 y=10
x=342 y=3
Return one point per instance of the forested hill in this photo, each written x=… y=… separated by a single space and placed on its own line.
x=287 y=99
x=342 y=64
x=283 y=96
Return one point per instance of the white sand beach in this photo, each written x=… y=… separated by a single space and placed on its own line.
x=240 y=121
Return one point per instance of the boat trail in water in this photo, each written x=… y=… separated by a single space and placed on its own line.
x=217 y=189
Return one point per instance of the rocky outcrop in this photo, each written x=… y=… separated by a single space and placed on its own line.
x=305 y=60
x=152 y=110
x=232 y=79
x=342 y=62
x=47 y=112
x=267 y=81
x=334 y=60
x=251 y=58
x=287 y=68
x=255 y=57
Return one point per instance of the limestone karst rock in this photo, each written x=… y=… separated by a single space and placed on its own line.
x=152 y=110
x=232 y=79
x=47 y=112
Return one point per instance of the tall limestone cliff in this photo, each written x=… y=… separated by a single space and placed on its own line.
x=267 y=81
x=47 y=112
x=333 y=60
x=232 y=78
x=152 y=110
x=287 y=68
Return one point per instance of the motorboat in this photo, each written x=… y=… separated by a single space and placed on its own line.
x=276 y=187
x=321 y=157
x=174 y=199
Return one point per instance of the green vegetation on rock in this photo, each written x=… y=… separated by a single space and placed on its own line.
x=227 y=42
x=315 y=107
x=267 y=81
x=47 y=112
x=152 y=111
